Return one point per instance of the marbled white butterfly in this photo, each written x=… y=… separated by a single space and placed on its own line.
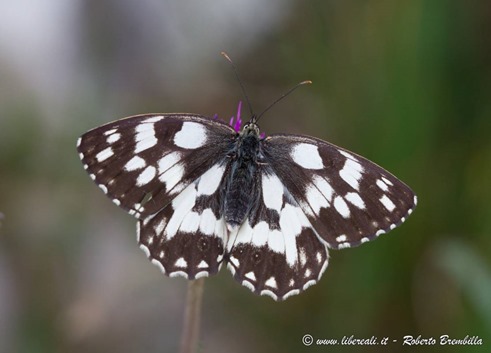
x=205 y=194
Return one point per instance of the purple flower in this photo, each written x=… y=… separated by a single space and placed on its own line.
x=238 y=123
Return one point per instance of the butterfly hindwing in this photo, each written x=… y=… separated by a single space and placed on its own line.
x=347 y=199
x=143 y=162
x=276 y=251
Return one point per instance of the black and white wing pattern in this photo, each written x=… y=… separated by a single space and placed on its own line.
x=276 y=252
x=165 y=170
x=347 y=199
x=270 y=208
x=313 y=196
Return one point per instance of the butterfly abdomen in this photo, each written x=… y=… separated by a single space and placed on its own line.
x=242 y=186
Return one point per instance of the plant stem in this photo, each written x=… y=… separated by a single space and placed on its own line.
x=192 y=314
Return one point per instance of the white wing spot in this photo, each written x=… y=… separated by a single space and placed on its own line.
x=341 y=206
x=308 y=273
x=146 y=176
x=145 y=250
x=302 y=256
x=192 y=135
x=318 y=256
x=104 y=154
x=351 y=173
x=291 y=227
x=190 y=223
x=172 y=176
x=364 y=240
x=389 y=205
x=260 y=234
x=168 y=161
x=383 y=186
x=315 y=199
x=234 y=261
x=135 y=163
x=307 y=156
x=179 y=274
x=154 y=119
x=355 y=199
x=324 y=187
x=344 y=245
x=180 y=262
x=145 y=137
x=380 y=232
x=249 y=285
x=202 y=264
x=159 y=265
x=209 y=181
x=387 y=181
x=103 y=188
x=269 y=294
x=231 y=268
x=201 y=274
x=291 y=293
x=113 y=138
x=207 y=222
x=342 y=238
x=348 y=155
x=159 y=228
x=271 y=282
x=250 y=275
x=117 y=202
x=276 y=241
x=272 y=192
x=110 y=132
x=182 y=204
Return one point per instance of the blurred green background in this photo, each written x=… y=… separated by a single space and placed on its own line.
x=405 y=83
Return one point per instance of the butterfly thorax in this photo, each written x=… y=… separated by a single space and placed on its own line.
x=241 y=188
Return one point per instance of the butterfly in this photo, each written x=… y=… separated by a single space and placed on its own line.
x=206 y=193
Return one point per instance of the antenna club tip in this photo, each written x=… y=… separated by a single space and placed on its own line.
x=225 y=55
x=307 y=82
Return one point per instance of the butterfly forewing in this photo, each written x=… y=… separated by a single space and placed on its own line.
x=143 y=162
x=347 y=199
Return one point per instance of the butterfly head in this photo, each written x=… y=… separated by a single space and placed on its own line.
x=251 y=128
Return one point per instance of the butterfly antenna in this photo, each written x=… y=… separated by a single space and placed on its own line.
x=283 y=96
x=225 y=55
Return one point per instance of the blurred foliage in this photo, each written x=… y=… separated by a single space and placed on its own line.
x=405 y=83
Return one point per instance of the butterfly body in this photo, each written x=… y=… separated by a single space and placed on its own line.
x=241 y=191
x=269 y=208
